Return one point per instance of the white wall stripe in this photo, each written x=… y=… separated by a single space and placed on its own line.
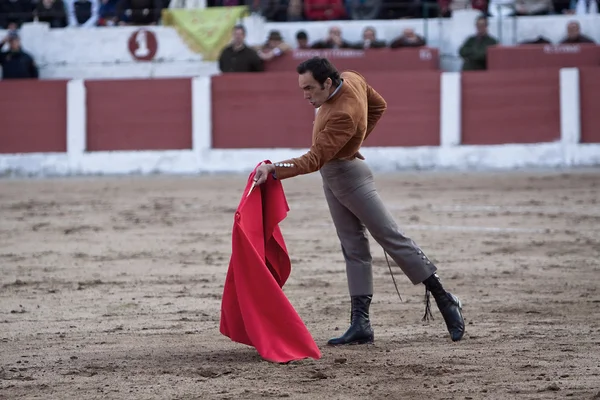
x=450 y=109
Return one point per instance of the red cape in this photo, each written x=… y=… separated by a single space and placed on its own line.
x=254 y=309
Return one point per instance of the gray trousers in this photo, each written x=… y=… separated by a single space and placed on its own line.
x=356 y=207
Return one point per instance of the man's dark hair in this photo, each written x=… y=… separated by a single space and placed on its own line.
x=301 y=35
x=241 y=27
x=321 y=69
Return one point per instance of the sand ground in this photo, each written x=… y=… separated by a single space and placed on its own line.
x=111 y=288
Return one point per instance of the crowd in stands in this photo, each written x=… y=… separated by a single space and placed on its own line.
x=240 y=57
x=90 y=13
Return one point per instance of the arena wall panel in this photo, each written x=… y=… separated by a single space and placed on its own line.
x=269 y=111
x=589 y=85
x=33 y=116
x=413 y=114
x=260 y=111
x=144 y=114
x=518 y=106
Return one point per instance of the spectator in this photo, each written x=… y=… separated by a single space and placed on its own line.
x=294 y=11
x=274 y=47
x=139 y=12
x=474 y=49
x=334 y=40
x=538 y=40
x=52 y=12
x=108 y=13
x=274 y=10
x=13 y=13
x=369 y=40
x=574 y=34
x=238 y=57
x=302 y=40
x=364 y=9
x=324 y=10
x=533 y=7
x=83 y=13
x=408 y=39
x=16 y=64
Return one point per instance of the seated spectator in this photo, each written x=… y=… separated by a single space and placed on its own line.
x=52 y=12
x=139 y=12
x=538 y=40
x=302 y=40
x=369 y=40
x=533 y=7
x=16 y=64
x=295 y=11
x=108 y=13
x=399 y=9
x=274 y=47
x=324 y=10
x=408 y=39
x=474 y=49
x=574 y=34
x=82 y=13
x=273 y=10
x=364 y=9
x=238 y=57
x=334 y=40
x=14 y=13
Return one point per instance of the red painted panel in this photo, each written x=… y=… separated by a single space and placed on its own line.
x=589 y=85
x=500 y=107
x=405 y=59
x=543 y=56
x=260 y=111
x=268 y=110
x=33 y=116
x=145 y=114
x=413 y=114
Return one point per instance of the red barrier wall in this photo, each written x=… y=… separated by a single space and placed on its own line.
x=33 y=116
x=589 y=85
x=144 y=114
x=500 y=107
x=405 y=59
x=543 y=56
x=262 y=111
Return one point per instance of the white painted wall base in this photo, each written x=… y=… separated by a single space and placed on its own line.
x=388 y=159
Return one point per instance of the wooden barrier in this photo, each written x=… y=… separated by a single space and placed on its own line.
x=543 y=56
x=268 y=110
x=139 y=114
x=503 y=107
x=405 y=59
x=33 y=116
x=590 y=104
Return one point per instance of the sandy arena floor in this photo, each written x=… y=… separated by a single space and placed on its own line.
x=111 y=288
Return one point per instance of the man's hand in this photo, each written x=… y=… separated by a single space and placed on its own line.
x=262 y=173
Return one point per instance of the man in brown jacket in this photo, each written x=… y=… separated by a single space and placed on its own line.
x=348 y=111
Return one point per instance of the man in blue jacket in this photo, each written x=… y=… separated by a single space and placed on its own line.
x=16 y=64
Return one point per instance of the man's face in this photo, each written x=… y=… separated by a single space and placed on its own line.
x=302 y=43
x=335 y=33
x=573 y=30
x=481 y=27
x=312 y=89
x=15 y=44
x=409 y=34
x=369 y=35
x=238 y=37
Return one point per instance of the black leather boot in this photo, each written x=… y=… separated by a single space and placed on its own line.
x=360 y=331
x=448 y=304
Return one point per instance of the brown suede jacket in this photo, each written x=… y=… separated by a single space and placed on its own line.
x=342 y=124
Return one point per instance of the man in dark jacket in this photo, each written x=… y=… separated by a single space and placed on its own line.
x=238 y=57
x=16 y=64
x=474 y=50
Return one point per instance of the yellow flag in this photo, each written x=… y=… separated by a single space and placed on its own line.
x=206 y=31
